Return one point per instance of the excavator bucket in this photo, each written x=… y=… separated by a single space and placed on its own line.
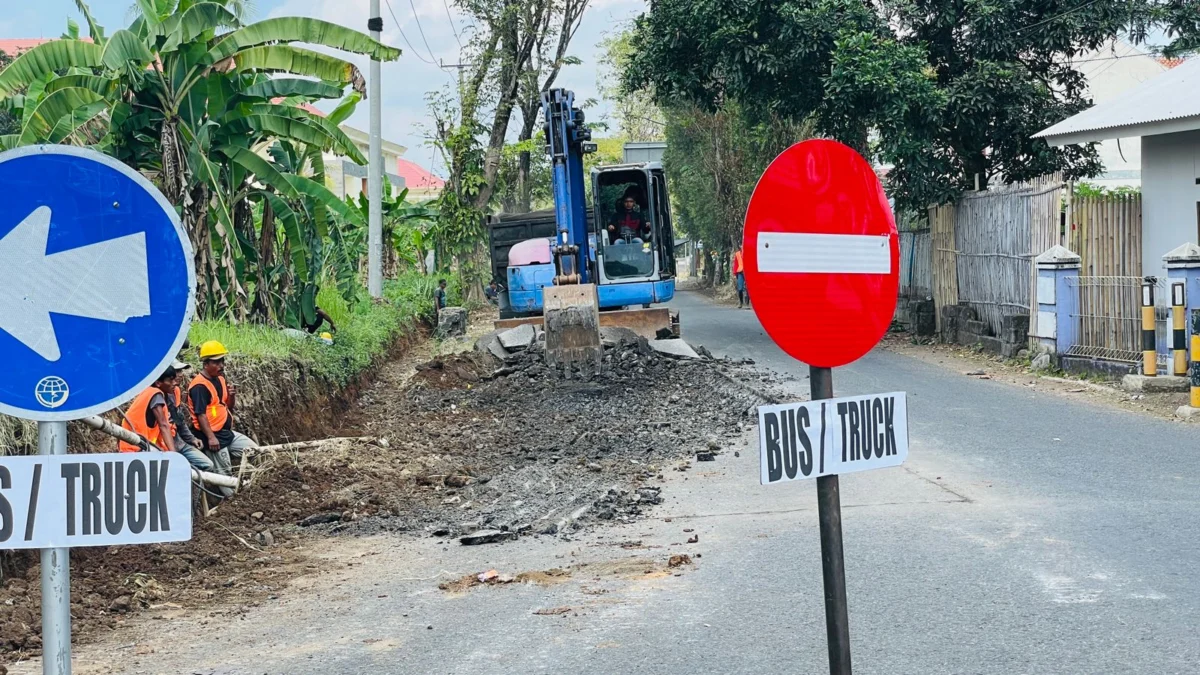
x=572 y=323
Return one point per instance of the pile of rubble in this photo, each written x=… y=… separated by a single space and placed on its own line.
x=493 y=441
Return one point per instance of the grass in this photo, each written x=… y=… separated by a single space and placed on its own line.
x=365 y=329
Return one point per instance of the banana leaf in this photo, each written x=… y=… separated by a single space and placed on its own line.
x=46 y=58
x=300 y=29
x=294 y=60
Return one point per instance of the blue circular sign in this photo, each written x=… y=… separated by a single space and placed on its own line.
x=97 y=286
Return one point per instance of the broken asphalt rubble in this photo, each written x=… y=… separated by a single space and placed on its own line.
x=492 y=444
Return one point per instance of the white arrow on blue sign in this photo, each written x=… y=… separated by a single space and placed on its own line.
x=96 y=283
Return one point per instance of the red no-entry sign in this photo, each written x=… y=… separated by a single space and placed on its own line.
x=822 y=254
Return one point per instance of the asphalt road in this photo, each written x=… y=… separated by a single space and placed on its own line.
x=1026 y=534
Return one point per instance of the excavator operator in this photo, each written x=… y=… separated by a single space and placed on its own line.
x=629 y=224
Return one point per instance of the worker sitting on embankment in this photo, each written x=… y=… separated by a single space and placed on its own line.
x=149 y=416
x=212 y=400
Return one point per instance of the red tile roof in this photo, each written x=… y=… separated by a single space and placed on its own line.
x=1170 y=63
x=416 y=177
x=306 y=107
x=18 y=46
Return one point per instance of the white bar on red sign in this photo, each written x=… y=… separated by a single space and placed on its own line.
x=824 y=253
x=798 y=441
x=53 y=501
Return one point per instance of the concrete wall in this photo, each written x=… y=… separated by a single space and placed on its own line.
x=1170 y=167
x=644 y=152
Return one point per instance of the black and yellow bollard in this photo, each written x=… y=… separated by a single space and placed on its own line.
x=1149 y=350
x=1195 y=398
x=1179 y=345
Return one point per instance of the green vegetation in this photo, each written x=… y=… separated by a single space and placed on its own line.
x=944 y=90
x=365 y=329
x=213 y=111
x=1086 y=189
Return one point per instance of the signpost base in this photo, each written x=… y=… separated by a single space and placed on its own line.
x=56 y=575
x=829 y=508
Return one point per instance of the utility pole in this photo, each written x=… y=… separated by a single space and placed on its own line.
x=375 y=167
x=460 y=67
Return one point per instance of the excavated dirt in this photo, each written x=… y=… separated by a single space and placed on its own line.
x=516 y=447
x=467 y=443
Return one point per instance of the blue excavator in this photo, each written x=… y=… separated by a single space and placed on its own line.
x=583 y=266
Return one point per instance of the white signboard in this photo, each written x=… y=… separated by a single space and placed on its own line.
x=833 y=436
x=94 y=500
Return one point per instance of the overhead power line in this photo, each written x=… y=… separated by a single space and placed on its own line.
x=404 y=37
x=1056 y=17
x=421 y=30
x=452 y=28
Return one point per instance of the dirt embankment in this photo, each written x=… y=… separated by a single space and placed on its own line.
x=467 y=444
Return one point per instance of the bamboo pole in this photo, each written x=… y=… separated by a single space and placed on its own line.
x=121 y=433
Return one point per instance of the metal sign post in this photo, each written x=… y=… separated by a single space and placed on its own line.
x=833 y=566
x=97 y=287
x=822 y=264
x=56 y=575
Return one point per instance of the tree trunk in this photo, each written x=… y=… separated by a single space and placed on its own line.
x=263 y=307
x=524 y=188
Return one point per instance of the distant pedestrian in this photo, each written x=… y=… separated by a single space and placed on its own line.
x=320 y=318
x=439 y=296
x=492 y=292
x=739 y=275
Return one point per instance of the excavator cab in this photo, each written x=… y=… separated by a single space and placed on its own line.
x=632 y=226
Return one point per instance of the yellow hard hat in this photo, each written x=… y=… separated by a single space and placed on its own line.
x=327 y=336
x=212 y=350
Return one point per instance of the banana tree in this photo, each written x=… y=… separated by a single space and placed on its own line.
x=193 y=99
x=405 y=224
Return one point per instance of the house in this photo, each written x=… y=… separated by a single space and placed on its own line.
x=347 y=178
x=1111 y=72
x=422 y=185
x=1164 y=113
x=14 y=47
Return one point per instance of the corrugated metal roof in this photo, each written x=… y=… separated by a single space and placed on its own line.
x=1167 y=103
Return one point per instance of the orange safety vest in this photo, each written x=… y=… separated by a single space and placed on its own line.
x=218 y=408
x=738 y=267
x=135 y=421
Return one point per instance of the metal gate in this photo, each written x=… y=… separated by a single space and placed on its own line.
x=1108 y=319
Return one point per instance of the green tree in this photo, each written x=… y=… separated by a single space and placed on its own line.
x=713 y=161
x=634 y=114
x=186 y=94
x=9 y=123
x=953 y=89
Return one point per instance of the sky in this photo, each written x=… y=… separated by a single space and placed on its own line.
x=405 y=82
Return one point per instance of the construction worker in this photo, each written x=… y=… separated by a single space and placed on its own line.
x=211 y=401
x=739 y=275
x=628 y=224
x=320 y=318
x=149 y=416
x=179 y=410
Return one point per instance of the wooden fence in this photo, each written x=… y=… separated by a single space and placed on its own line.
x=945 y=270
x=916 y=263
x=987 y=242
x=1106 y=233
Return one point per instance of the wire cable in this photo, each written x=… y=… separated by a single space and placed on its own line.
x=1056 y=17
x=411 y=48
x=422 y=30
x=452 y=28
